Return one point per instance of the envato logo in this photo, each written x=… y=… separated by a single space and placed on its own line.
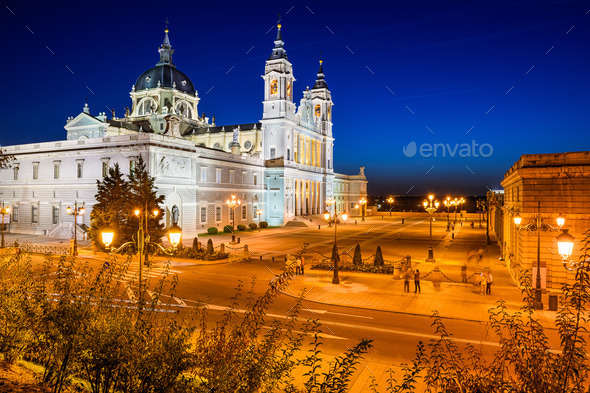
x=443 y=150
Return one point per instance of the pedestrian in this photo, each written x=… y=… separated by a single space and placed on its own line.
x=472 y=225
x=464 y=272
x=489 y=280
x=302 y=265
x=407 y=280
x=482 y=283
x=298 y=266
x=479 y=255
x=417 y=281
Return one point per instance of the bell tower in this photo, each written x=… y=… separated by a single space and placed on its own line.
x=322 y=104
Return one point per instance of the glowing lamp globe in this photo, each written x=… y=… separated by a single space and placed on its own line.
x=344 y=216
x=174 y=234
x=517 y=219
x=565 y=244
x=107 y=235
x=560 y=220
x=326 y=215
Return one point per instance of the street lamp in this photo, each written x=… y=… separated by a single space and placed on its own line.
x=461 y=202
x=565 y=246
x=390 y=200
x=77 y=211
x=334 y=219
x=258 y=213
x=363 y=202
x=232 y=204
x=174 y=235
x=448 y=204
x=3 y=211
x=539 y=226
x=430 y=207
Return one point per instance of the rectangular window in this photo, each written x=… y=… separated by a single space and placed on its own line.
x=34 y=214
x=105 y=168
x=272 y=153
x=203 y=174
x=218 y=213
x=15 y=213
x=55 y=214
x=217 y=175
x=132 y=164
x=255 y=179
x=35 y=170
x=244 y=212
x=79 y=170
x=203 y=214
x=56 y=170
x=15 y=172
x=231 y=176
x=288 y=154
x=243 y=177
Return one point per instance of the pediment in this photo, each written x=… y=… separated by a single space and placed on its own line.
x=83 y=120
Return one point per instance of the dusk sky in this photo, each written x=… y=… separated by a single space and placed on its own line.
x=512 y=76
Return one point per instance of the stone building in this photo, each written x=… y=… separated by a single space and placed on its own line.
x=281 y=164
x=558 y=183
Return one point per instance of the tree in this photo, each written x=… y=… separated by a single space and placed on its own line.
x=378 y=257
x=5 y=160
x=357 y=259
x=143 y=195
x=111 y=207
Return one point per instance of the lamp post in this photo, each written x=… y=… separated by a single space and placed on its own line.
x=77 y=211
x=481 y=206
x=362 y=203
x=565 y=246
x=232 y=204
x=538 y=226
x=258 y=213
x=174 y=235
x=461 y=202
x=448 y=204
x=430 y=207
x=334 y=219
x=3 y=211
x=390 y=200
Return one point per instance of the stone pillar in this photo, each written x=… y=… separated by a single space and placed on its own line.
x=235 y=148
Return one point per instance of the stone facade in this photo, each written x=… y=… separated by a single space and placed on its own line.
x=561 y=183
x=281 y=164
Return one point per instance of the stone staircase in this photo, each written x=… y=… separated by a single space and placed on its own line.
x=65 y=230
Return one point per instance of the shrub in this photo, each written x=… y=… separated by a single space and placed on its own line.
x=228 y=229
x=357 y=259
x=196 y=243
x=210 y=246
x=253 y=225
x=263 y=224
x=212 y=231
x=241 y=227
x=378 y=257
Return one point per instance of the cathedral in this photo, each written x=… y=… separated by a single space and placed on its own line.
x=280 y=166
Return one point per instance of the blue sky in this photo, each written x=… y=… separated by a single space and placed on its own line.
x=510 y=74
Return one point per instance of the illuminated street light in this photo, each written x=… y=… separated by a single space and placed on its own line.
x=258 y=214
x=539 y=226
x=390 y=200
x=363 y=203
x=334 y=219
x=430 y=207
x=232 y=204
x=77 y=211
x=3 y=211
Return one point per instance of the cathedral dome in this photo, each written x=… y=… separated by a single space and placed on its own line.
x=165 y=74
x=168 y=76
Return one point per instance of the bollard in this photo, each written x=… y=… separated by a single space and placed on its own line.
x=238 y=240
x=453 y=235
x=319 y=227
x=354 y=222
x=273 y=259
x=261 y=257
x=402 y=220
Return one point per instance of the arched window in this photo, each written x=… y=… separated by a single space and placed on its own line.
x=318 y=110
x=146 y=106
x=175 y=214
x=288 y=89
x=183 y=109
x=217 y=145
x=274 y=85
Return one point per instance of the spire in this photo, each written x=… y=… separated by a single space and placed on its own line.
x=278 y=52
x=166 y=50
x=320 y=83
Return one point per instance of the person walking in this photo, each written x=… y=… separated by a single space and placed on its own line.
x=489 y=280
x=302 y=265
x=298 y=266
x=464 y=272
x=417 y=281
x=482 y=283
x=407 y=280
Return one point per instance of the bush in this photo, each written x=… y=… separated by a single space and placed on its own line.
x=357 y=259
x=212 y=231
x=228 y=229
x=196 y=243
x=209 y=246
x=378 y=257
x=241 y=227
x=253 y=225
x=263 y=224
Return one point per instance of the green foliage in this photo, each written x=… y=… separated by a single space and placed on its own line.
x=263 y=224
x=228 y=229
x=209 y=249
x=212 y=231
x=386 y=268
x=241 y=227
x=357 y=259
x=253 y=225
x=378 y=257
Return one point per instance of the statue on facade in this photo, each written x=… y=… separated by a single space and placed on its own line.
x=236 y=135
